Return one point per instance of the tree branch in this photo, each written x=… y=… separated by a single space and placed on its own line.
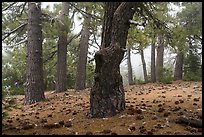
x=136 y=23
x=200 y=39
x=8 y=6
x=93 y=46
x=125 y=57
x=68 y=42
x=7 y=34
x=73 y=37
x=22 y=9
x=91 y=60
x=85 y=13
x=20 y=30
x=47 y=17
x=150 y=15
x=50 y=57
x=96 y=41
x=22 y=41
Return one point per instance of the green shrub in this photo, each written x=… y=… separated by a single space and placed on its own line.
x=138 y=81
x=166 y=76
x=193 y=76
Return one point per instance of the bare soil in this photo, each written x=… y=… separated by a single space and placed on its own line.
x=150 y=109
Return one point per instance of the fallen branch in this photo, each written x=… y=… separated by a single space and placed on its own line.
x=197 y=123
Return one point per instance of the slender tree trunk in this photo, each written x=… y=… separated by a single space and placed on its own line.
x=61 y=77
x=160 y=57
x=178 y=71
x=144 y=66
x=153 y=70
x=130 y=79
x=107 y=95
x=34 y=91
x=83 y=51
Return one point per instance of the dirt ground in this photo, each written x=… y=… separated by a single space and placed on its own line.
x=150 y=109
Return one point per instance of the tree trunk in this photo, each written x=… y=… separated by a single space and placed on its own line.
x=107 y=95
x=130 y=79
x=34 y=71
x=153 y=70
x=144 y=66
x=83 y=51
x=178 y=71
x=61 y=77
x=160 y=57
x=107 y=23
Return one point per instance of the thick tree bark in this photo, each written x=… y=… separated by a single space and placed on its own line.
x=160 y=57
x=107 y=95
x=83 y=51
x=110 y=8
x=153 y=70
x=130 y=77
x=34 y=91
x=144 y=66
x=61 y=77
x=178 y=71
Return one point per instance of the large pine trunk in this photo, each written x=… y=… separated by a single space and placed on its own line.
x=82 y=60
x=107 y=95
x=178 y=71
x=144 y=66
x=61 y=77
x=34 y=91
x=160 y=58
x=153 y=70
x=130 y=77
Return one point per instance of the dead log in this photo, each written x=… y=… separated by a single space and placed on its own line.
x=193 y=122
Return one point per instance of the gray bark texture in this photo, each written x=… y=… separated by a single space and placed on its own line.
x=130 y=76
x=153 y=69
x=160 y=57
x=144 y=66
x=107 y=96
x=178 y=71
x=80 y=83
x=61 y=76
x=34 y=91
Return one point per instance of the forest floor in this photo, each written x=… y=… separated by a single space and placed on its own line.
x=150 y=109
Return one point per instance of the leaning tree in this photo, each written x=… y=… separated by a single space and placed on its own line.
x=107 y=95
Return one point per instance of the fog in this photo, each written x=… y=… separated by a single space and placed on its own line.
x=137 y=69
